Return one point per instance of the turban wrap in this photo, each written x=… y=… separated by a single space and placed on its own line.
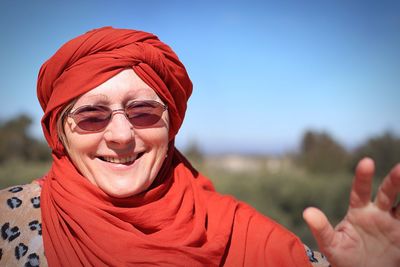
x=180 y=220
x=92 y=58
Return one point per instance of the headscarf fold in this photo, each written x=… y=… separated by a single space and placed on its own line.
x=180 y=220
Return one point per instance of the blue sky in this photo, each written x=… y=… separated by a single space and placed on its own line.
x=263 y=71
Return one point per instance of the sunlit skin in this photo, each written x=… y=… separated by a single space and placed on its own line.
x=369 y=235
x=119 y=140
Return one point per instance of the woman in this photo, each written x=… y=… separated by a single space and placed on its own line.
x=120 y=194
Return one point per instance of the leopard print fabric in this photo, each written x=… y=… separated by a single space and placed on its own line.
x=21 y=242
x=316 y=258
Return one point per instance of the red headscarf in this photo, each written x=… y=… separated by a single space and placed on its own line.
x=180 y=219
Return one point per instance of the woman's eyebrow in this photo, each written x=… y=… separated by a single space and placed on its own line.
x=142 y=93
x=98 y=98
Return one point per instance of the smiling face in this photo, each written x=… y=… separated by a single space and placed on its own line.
x=122 y=159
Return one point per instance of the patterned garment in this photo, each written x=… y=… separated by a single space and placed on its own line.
x=21 y=242
x=316 y=258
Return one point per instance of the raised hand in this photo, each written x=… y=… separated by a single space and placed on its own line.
x=369 y=235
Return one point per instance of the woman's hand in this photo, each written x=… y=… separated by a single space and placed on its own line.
x=369 y=235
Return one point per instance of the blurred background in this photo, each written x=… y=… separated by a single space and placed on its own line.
x=288 y=95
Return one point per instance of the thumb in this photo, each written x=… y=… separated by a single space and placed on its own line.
x=320 y=227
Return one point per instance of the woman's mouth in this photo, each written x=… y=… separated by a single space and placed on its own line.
x=121 y=160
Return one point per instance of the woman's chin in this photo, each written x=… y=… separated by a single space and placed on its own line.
x=122 y=188
x=120 y=192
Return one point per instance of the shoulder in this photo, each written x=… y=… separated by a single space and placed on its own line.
x=16 y=200
x=21 y=190
x=21 y=240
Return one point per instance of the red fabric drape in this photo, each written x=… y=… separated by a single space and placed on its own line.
x=180 y=220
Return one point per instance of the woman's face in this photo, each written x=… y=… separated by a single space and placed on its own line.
x=101 y=156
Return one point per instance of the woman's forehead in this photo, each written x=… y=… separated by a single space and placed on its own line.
x=116 y=95
x=125 y=85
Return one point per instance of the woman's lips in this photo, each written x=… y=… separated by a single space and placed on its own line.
x=126 y=160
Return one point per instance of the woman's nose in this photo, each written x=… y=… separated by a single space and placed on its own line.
x=119 y=130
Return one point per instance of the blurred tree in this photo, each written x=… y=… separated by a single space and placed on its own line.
x=16 y=143
x=384 y=149
x=319 y=152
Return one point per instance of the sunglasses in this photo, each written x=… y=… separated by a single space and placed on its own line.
x=94 y=118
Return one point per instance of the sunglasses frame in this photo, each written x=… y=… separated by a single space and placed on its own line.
x=73 y=114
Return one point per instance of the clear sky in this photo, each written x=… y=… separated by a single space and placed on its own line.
x=263 y=71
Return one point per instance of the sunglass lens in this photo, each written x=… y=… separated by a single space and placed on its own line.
x=144 y=113
x=93 y=118
x=93 y=124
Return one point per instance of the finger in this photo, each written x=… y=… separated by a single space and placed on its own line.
x=388 y=190
x=360 y=194
x=320 y=227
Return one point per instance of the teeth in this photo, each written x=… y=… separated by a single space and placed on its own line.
x=120 y=160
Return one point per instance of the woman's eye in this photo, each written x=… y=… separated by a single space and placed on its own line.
x=141 y=114
x=139 y=109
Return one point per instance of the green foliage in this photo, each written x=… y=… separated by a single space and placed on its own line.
x=16 y=143
x=22 y=157
x=384 y=149
x=319 y=152
x=15 y=172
